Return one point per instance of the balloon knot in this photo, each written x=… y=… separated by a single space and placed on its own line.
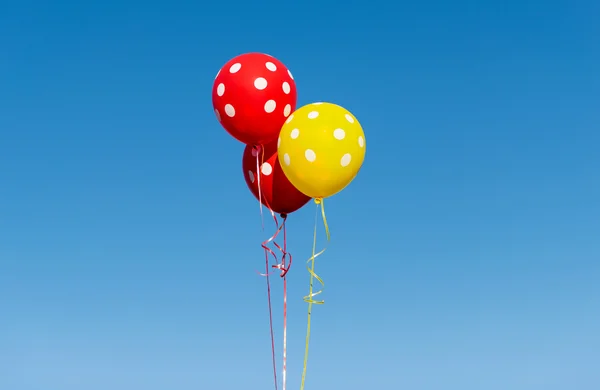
x=283 y=215
x=318 y=200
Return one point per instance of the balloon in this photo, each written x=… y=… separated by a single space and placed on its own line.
x=321 y=149
x=252 y=96
x=276 y=190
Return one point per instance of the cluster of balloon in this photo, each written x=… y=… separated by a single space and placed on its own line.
x=291 y=156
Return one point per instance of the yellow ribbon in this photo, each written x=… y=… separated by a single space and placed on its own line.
x=309 y=298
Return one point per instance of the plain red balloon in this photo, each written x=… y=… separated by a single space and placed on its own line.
x=253 y=94
x=277 y=192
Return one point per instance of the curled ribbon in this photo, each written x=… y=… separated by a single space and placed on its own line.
x=280 y=265
x=310 y=297
x=283 y=268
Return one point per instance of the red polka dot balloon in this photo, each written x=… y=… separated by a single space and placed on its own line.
x=276 y=191
x=253 y=94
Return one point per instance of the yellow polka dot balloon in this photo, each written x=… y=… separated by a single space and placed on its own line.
x=321 y=148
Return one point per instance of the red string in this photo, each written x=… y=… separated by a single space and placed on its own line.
x=282 y=265
x=269 y=251
x=257 y=152
x=270 y=316
x=284 y=270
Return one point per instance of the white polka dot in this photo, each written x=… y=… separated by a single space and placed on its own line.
x=218 y=114
x=286 y=87
x=221 y=89
x=229 y=110
x=313 y=114
x=251 y=176
x=270 y=106
x=295 y=133
x=266 y=169
x=339 y=134
x=278 y=142
x=271 y=66
x=310 y=155
x=290 y=118
x=287 y=109
x=349 y=118
x=286 y=159
x=361 y=141
x=235 y=68
x=346 y=158
x=290 y=73
x=260 y=83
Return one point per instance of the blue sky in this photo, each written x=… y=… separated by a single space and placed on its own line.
x=465 y=255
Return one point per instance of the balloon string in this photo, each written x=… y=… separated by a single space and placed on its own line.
x=271 y=318
x=284 y=268
x=269 y=252
x=256 y=151
x=284 y=372
x=281 y=265
x=283 y=275
x=310 y=297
